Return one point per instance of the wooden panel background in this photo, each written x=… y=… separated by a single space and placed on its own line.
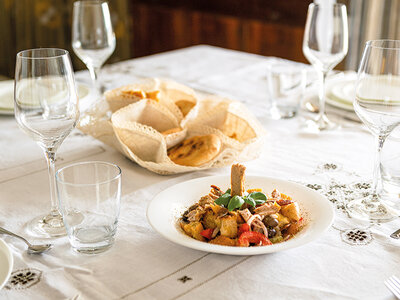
x=264 y=27
x=143 y=27
x=27 y=24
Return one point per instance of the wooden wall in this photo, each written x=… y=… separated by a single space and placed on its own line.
x=267 y=27
x=143 y=27
x=27 y=24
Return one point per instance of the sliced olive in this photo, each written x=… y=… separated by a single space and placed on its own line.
x=271 y=233
x=270 y=221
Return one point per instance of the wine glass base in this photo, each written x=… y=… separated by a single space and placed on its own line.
x=321 y=124
x=276 y=113
x=47 y=226
x=371 y=209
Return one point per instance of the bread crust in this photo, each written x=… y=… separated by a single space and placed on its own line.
x=237 y=179
x=184 y=106
x=171 y=131
x=196 y=151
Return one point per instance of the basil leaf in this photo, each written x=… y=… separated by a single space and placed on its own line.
x=259 y=201
x=235 y=202
x=223 y=200
x=250 y=201
x=228 y=191
x=258 y=196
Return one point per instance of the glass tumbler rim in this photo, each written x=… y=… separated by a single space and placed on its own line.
x=340 y=5
x=89 y=2
x=374 y=44
x=117 y=176
x=61 y=53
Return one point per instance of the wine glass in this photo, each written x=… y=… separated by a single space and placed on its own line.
x=46 y=109
x=325 y=44
x=93 y=38
x=377 y=103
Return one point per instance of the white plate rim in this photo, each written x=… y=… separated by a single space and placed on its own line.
x=9 y=84
x=6 y=250
x=183 y=240
x=339 y=104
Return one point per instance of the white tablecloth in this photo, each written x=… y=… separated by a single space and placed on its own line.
x=350 y=261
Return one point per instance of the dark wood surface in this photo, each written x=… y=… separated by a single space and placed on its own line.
x=267 y=27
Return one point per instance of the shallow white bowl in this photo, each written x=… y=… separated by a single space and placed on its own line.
x=166 y=208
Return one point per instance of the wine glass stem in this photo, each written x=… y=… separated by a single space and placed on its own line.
x=321 y=94
x=379 y=140
x=94 y=74
x=50 y=158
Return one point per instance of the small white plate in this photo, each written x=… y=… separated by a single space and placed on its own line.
x=166 y=208
x=340 y=92
x=338 y=104
x=6 y=263
x=344 y=91
x=7 y=95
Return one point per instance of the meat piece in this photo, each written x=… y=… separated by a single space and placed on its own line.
x=259 y=226
x=254 y=221
x=205 y=200
x=246 y=214
x=267 y=209
x=196 y=214
x=237 y=179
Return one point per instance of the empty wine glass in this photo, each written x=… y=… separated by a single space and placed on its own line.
x=46 y=109
x=377 y=103
x=93 y=38
x=325 y=44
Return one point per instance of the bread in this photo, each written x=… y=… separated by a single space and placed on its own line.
x=171 y=131
x=196 y=150
x=129 y=94
x=237 y=179
x=174 y=136
x=184 y=106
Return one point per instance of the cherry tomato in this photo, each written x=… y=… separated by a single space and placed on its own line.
x=243 y=228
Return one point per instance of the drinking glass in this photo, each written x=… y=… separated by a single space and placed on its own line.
x=46 y=109
x=286 y=85
x=89 y=195
x=93 y=38
x=390 y=169
x=325 y=44
x=377 y=103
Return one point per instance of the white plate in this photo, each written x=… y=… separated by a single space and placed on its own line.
x=340 y=92
x=6 y=263
x=7 y=95
x=166 y=208
x=344 y=91
x=339 y=104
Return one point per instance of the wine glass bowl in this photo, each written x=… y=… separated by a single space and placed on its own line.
x=377 y=103
x=93 y=38
x=46 y=109
x=325 y=44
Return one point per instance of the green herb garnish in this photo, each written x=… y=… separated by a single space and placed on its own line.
x=223 y=200
x=235 y=202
